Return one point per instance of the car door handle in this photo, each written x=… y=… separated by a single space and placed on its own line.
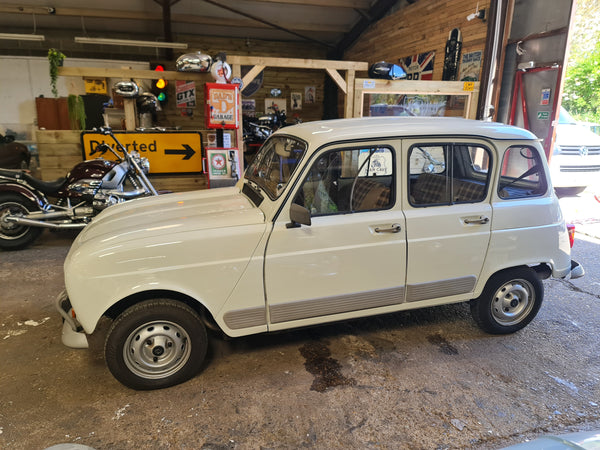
x=395 y=228
x=479 y=220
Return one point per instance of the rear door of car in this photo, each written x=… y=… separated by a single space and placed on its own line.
x=448 y=216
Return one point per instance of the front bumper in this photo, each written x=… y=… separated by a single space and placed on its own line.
x=72 y=333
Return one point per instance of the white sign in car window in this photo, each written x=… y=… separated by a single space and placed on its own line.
x=380 y=163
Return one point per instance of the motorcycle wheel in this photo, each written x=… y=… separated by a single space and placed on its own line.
x=156 y=344
x=14 y=236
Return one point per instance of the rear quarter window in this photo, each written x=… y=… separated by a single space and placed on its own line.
x=522 y=173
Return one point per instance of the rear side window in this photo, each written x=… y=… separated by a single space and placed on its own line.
x=350 y=180
x=448 y=174
x=522 y=174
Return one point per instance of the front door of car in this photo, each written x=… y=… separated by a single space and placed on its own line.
x=352 y=257
x=448 y=217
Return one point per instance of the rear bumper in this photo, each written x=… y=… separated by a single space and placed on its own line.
x=72 y=333
x=577 y=270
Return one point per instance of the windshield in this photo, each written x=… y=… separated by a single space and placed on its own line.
x=564 y=118
x=275 y=164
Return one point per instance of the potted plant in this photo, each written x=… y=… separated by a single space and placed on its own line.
x=76 y=112
x=55 y=58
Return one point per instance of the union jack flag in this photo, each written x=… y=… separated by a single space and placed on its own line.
x=418 y=67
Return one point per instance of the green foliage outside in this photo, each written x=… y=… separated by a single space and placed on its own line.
x=581 y=93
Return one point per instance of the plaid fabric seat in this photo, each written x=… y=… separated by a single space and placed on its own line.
x=470 y=192
x=370 y=194
x=429 y=189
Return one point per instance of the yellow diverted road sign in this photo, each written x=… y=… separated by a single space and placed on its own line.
x=167 y=151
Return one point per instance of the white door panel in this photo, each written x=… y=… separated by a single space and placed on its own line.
x=351 y=259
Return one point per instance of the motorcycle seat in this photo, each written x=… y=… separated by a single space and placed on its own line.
x=47 y=187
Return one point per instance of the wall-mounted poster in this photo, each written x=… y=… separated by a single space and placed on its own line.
x=249 y=107
x=95 y=85
x=223 y=163
x=186 y=94
x=221 y=105
x=309 y=94
x=275 y=102
x=470 y=66
x=418 y=67
x=296 y=100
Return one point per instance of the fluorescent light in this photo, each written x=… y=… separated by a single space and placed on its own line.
x=159 y=44
x=23 y=37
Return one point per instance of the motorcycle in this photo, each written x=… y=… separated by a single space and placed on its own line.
x=257 y=130
x=90 y=187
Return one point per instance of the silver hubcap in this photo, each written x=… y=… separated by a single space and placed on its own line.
x=513 y=302
x=11 y=230
x=157 y=350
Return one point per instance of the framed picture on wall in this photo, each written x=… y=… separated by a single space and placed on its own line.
x=470 y=66
x=309 y=94
x=296 y=100
x=275 y=102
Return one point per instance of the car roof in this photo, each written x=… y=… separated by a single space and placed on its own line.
x=326 y=131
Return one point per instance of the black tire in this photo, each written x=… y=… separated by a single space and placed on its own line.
x=156 y=344
x=509 y=301
x=12 y=235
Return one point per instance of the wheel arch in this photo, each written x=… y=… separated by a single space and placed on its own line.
x=115 y=310
x=543 y=270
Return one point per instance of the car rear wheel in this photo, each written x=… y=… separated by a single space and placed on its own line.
x=14 y=236
x=155 y=344
x=509 y=301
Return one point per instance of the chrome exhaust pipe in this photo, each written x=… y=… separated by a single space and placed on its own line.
x=40 y=224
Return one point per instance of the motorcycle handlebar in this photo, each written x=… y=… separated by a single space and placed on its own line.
x=104 y=130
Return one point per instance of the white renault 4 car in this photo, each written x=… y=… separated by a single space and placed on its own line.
x=333 y=220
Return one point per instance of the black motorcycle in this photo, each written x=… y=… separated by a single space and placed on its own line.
x=28 y=205
x=258 y=129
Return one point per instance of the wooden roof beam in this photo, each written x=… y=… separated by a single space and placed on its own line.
x=158 y=16
x=352 y=4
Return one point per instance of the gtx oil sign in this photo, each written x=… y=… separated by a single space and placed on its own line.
x=222 y=104
x=168 y=152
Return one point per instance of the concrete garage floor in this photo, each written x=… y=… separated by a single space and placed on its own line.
x=426 y=379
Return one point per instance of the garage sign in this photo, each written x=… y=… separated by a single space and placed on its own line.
x=168 y=152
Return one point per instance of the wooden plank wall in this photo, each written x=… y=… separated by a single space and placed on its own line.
x=421 y=27
x=59 y=151
x=288 y=80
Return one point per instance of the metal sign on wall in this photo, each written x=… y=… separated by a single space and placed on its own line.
x=167 y=151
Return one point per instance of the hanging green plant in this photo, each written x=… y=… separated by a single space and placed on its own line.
x=76 y=112
x=55 y=58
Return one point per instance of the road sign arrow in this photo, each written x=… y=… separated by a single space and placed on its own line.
x=187 y=151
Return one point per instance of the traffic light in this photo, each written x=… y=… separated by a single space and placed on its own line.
x=159 y=85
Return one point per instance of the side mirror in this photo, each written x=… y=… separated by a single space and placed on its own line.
x=299 y=215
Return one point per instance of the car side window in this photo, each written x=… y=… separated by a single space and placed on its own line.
x=349 y=180
x=522 y=174
x=445 y=174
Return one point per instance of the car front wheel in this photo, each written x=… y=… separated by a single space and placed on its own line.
x=156 y=344
x=509 y=301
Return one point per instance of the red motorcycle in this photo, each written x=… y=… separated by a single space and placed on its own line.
x=28 y=205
